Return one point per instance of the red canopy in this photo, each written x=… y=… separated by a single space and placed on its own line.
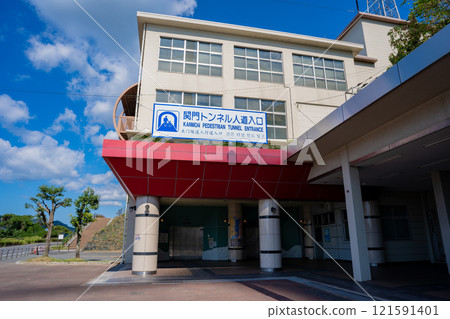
x=168 y=169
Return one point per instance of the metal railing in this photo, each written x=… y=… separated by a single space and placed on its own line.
x=67 y=244
x=124 y=123
x=18 y=252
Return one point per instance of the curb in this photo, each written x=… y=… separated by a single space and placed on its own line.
x=65 y=263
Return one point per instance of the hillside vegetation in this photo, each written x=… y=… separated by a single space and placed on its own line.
x=109 y=238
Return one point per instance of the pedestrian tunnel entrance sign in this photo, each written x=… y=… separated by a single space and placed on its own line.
x=205 y=123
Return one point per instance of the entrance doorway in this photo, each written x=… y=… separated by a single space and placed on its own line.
x=251 y=242
x=186 y=243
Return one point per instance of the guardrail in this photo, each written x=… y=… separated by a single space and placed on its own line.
x=18 y=252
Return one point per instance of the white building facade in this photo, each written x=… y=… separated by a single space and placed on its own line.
x=300 y=83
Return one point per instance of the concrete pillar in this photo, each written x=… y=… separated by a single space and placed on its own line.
x=441 y=188
x=235 y=232
x=374 y=232
x=269 y=235
x=309 y=244
x=131 y=213
x=355 y=216
x=145 y=252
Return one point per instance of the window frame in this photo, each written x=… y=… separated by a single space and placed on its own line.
x=404 y=217
x=258 y=68
x=345 y=229
x=318 y=63
x=273 y=113
x=195 y=103
x=185 y=63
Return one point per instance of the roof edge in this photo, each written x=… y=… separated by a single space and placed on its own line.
x=369 y=16
x=203 y=25
x=424 y=56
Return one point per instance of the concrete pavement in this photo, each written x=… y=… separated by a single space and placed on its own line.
x=177 y=280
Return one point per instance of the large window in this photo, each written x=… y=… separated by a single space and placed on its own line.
x=193 y=57
x=186 y=98
x=394 y=221
x=319 y=73
x=324 y=219
x=275 y=110
x=345 y=223
x=258 y=65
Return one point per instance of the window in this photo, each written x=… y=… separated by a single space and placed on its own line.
x=258 y=65
x=187 y=98
x=345 y=223
x=324 y=219
x=319 y=73
x=192 y=57
x=394 y=220
x=275 y=110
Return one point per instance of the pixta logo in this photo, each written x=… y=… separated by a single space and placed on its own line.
x=148 y=157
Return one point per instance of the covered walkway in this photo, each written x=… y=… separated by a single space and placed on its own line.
x=323 y=278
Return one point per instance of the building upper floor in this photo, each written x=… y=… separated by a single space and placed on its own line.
x=295 y=79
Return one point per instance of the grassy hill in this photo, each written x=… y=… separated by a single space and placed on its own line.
x=57 y=222
x=109 y=238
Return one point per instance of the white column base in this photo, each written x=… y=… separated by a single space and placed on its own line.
x=269 y=236
x=146 y=233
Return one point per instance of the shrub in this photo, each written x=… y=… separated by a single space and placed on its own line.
x=20 y=241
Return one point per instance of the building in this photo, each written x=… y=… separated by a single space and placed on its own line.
x=210 y=200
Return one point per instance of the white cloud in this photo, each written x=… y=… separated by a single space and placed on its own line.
x=96 y=65
x=81 y=182
x=44 y=160
x=69 y=118
x=12 y=112
x=112 y=203
x=111 y=193
x=90 y=72
x=93 y=135
x=118 y=17
x=42 y=157
x=46 y=56
x=29 y=137
x=102 y=178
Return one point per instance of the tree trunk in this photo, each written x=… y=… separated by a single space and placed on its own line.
x=49 y=235
x=77 y=251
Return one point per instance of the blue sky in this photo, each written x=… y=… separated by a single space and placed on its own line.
x=61 y=75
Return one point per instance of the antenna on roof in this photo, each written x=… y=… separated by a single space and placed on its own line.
x=357 y=5
x=386 y=8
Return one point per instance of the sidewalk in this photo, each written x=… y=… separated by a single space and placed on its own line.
x=399 y=281
x=299 y=280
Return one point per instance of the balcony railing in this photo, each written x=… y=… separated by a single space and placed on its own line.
x=124 y=120
x=124 y=123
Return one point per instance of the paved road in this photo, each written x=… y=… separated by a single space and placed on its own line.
x=69 y=282
x=299 y=280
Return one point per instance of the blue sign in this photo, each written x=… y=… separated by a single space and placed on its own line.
x=327 y=235
x=205 y=123
x=168 y=121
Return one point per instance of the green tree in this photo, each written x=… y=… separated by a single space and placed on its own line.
x=19 y=226
x=425 y=19
x=84 y=204
x=46 y=202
